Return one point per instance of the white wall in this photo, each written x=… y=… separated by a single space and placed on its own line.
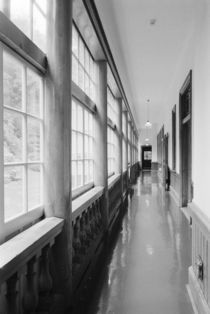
x=195 y=56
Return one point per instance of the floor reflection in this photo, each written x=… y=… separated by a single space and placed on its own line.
x=146 y=270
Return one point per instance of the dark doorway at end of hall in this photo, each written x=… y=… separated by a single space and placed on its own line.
x=146 y=157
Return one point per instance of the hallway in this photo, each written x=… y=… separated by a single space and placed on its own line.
x=146 y=272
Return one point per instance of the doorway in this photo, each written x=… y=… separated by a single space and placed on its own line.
x=185 y=113
x=146 y=157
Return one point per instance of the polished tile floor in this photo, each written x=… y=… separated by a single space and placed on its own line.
x=146 y=270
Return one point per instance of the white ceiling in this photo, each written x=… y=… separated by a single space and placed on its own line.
x=147 y=55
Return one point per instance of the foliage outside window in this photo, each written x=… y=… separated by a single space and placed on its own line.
x=82 y=145
x=111 y=146
x=22 y=136
x=83 y=66
x=31 y=17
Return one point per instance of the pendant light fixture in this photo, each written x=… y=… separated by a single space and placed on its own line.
x=148 y=124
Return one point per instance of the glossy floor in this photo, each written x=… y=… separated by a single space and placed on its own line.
x=146 y=272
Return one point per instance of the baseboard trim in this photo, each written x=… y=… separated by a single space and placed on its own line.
x=198 y=300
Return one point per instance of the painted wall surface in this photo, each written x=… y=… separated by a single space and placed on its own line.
x=195 y=56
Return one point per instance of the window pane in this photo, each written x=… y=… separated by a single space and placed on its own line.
x=90 y=147
x=13 y=137
x=80 y=173
x=74 y=115
x=75 y=41
x=20 y=14
x=34 y=186
x=79 y=146
x=33 y=93
x=75 y=70
x=39 y=28
x=86 y=172
x=86 y=114
x=81 y=52
x=33 y=147
x=12 y=82
x=87 y=61
x=74 y=174
x=86 y=155
x=13 y=191
x=91 y=171
x=79 y=118
x=81 y=77
x=90 y=124
x=87 y=84
x=74 y=146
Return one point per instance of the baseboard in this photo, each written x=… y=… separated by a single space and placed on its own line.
x=196 y=294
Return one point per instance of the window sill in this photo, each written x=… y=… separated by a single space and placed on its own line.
x=83 y=189
x=113 y=180
x=22 y=247
x=84 y=201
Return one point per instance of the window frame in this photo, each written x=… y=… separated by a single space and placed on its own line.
x=78 y=190
x=19 y=222
x=92 y=80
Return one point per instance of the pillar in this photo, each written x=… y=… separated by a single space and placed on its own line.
x=101 y=163
x=58 y=137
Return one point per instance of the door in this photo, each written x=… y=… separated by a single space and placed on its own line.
x=146 y=157
x=185 y=141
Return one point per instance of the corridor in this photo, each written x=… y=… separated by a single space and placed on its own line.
x=146 y=272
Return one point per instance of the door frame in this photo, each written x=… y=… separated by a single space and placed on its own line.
x=182 y=121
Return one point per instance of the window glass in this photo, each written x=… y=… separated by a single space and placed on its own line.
x=20 y=15
x=111 y=147
x=23 y=124
x=83 y=66
x=82 y=145
x=112 y=107
x=31 y=17
x=39 y=28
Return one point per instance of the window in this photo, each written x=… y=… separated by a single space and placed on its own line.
x=124 y=139
x=174 y=138
x=129 y=154
x=124 y=155
x=30 y=16
x=82 y=145
x=22 y=136
x=112 y=107
x=111 y=147
x=83 y=66
x=124 y=124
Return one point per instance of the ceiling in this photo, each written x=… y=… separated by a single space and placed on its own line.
x=147 y=55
